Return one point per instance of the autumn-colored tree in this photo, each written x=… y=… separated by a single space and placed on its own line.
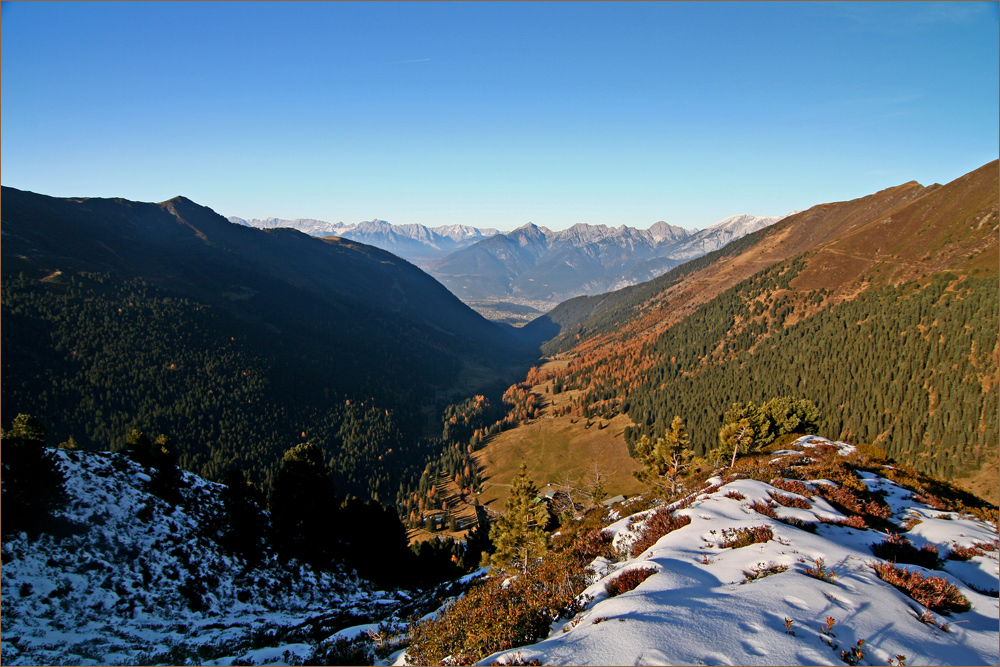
x=518 y=535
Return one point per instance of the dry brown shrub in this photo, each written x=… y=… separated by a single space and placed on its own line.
x=659 y=524
x=736 y=538
x=628 y=580
x=793 y=486
x=935 y=593
x=790 y=501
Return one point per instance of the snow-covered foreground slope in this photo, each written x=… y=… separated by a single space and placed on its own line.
x=140 y=582
x=703 y=606
x=133 y=580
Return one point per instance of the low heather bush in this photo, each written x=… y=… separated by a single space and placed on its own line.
x=935 y=593
x=808 y=526
x=492 y=617
x=792 y=486
x=735 y=495
x=735 y=538
x=932 y=501
x=593 y=544
x=967 y=553
x=763 y=508
x=659 y=524
x=628 y=580
x=859 y=502
x=853 y=522
x=790 y=501
x=898 y=549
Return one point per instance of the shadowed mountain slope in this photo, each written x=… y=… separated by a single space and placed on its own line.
x=236 y=342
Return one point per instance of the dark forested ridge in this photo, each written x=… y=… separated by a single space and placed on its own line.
x=237 y=343
x=885 y=317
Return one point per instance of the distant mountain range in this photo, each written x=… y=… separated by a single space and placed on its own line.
x=533 y=266
x=536 y=266
x=412 y=242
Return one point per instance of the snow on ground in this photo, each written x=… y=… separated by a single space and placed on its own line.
x=700 y=608
x=139 y=581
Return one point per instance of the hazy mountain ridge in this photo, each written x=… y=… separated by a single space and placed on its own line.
x=540 y=267
x=410 y=241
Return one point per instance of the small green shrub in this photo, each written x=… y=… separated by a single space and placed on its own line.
x=628 y=580
x=855 y=655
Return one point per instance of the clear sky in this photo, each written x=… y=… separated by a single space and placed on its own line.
x=494 y=114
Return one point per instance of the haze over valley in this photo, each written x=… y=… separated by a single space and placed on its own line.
x=515 y=276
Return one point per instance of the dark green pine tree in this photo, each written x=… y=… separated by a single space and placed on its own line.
x=32 y=483
x=304 y=508
x=518 y=535
x=245 y=527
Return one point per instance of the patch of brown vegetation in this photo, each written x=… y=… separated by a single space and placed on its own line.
x=558 y=449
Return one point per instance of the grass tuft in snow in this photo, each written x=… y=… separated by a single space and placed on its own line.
x=821 y=572
x=761 y=570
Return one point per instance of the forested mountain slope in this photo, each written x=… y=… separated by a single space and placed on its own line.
x=882 y=311
x=677 y=293
x=235 y=342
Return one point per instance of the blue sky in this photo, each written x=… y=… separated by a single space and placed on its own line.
x=494 y=114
